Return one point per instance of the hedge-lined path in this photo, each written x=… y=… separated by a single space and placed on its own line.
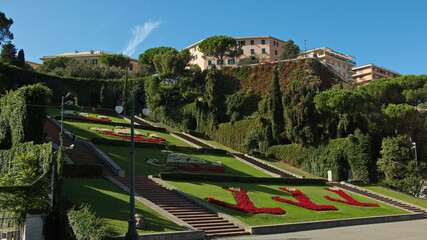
x=379 y=198
x=192 y=140
x=183 y=208
x=81 y=153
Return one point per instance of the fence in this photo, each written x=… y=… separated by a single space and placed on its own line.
x=9 y=229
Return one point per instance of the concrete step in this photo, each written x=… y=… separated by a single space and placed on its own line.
x=219 y=227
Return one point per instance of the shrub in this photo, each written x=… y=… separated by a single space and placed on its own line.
x=86 y=225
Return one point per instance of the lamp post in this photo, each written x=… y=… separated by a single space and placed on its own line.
x=132 y=234
x=414 y=146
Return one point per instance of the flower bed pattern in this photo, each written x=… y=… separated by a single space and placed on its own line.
x=244 y=204
x=192 y=163
x=197 y=167
x=136 y=137
x=303 y=201
x=70 y=113
x=348 y=199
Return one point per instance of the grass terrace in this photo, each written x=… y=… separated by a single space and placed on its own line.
x=82 y=131
x=57 y=112
x=398 y=195
x=260 y=195
x=288 y=167
x=112 y=205
x=120 y=155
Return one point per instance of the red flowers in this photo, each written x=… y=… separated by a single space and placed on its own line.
x=244 y=204
x=349 y=200
x=303 y=201
x=199 y=168
x=136 y=138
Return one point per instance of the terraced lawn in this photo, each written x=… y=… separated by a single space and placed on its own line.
x=398 y=195
x=121 y=156
x=260 y=195
x=51 y=111
x=82 y=131
x=288 y=168
x=112 y=205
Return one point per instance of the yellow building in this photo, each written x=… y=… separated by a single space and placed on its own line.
x=266 y=48
x=341 y=63
x=91 y=57
x=366 y=73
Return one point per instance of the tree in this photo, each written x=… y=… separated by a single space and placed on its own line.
x=171 y=64
x=8 y=53
x=59 y=62
x=115 y=60
x=398 y=166
x=276 y=108
x=5 y=23
x=247 y=61
x=289 y=50
x=404 y=118
x=146 y=58
x=21 y=58
x=219 y=47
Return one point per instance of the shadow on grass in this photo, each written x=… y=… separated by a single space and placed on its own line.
x=112 y=204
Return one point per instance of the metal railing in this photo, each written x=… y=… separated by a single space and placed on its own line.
x=9 y=229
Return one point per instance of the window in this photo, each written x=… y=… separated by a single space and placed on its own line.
x=219 y=62
x=252 y=42
x=195 y=57
x=209 y=62
x=275 y=52
x=275 y=43
x=94 y=62
x=263 y=50
x=263 y=41
x=241 y=42
x=231 y=61
x=241 y=51
x=252 y=51
x=85 y=61
x=195 y=48
x=131 y=67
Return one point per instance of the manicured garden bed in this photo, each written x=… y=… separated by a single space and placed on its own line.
x=121 y=156
x=112 y=205
x=57 y=112
x=261 y=196
x=398 y=195
x=83 y=130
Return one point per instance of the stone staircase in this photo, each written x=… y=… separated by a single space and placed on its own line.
x=183 y=208
x=379 y=198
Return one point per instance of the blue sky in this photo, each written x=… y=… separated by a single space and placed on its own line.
x=392 y=33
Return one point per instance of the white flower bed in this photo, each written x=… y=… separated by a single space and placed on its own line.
x=83 y=114
x=154 y=162
x=100 y=129
x=71 y=112
x=125 y=131
x=102 y=117
x=181 y=158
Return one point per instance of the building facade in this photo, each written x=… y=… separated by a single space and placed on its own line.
x=366 y=73
x=266 y=48
x=91 y=57
x=341 y=63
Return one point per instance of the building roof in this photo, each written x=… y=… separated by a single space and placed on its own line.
x=331 y=51
x=238 y=38
x=81 y=54
x=373 y=65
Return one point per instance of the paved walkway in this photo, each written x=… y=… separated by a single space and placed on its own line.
x=404 y=230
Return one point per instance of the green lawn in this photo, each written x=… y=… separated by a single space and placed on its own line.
x=82 y=131
x=52 y=111
x=120 y=155
x=288 y=168
x=112 y=205
x=261 y=194
x=394 y=194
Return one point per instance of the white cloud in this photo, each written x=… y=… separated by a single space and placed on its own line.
x=140 y=33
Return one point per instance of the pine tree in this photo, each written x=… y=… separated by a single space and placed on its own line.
x=276 y=108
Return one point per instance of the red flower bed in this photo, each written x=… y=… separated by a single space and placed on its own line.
x=199 y=168
x=136 y=137
x=348 y=199
x=244 y=204
x=303 y=201
x=91 y=118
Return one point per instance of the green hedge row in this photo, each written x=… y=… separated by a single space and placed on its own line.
x=76 y=119
x=86 y=225
x=341 y=156
x=229 y=178
x=22 y=115
x=159 y=146
x=82 y=171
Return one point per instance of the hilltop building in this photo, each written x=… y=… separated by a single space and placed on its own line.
x=91 y=57
x=266 y=48
x=339 y=62
x=368 y=72
x=33 y=64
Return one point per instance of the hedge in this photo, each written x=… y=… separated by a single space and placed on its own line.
x=83 y=171
x=230 y=178
x=22 y=115
x=86 y=225
x=159 y=146
x=337 y=155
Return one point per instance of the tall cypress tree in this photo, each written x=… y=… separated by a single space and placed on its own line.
x=276 y=108
x=21 y=59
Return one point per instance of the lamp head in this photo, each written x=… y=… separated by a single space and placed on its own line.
x=146 y=111
x=119 y=109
